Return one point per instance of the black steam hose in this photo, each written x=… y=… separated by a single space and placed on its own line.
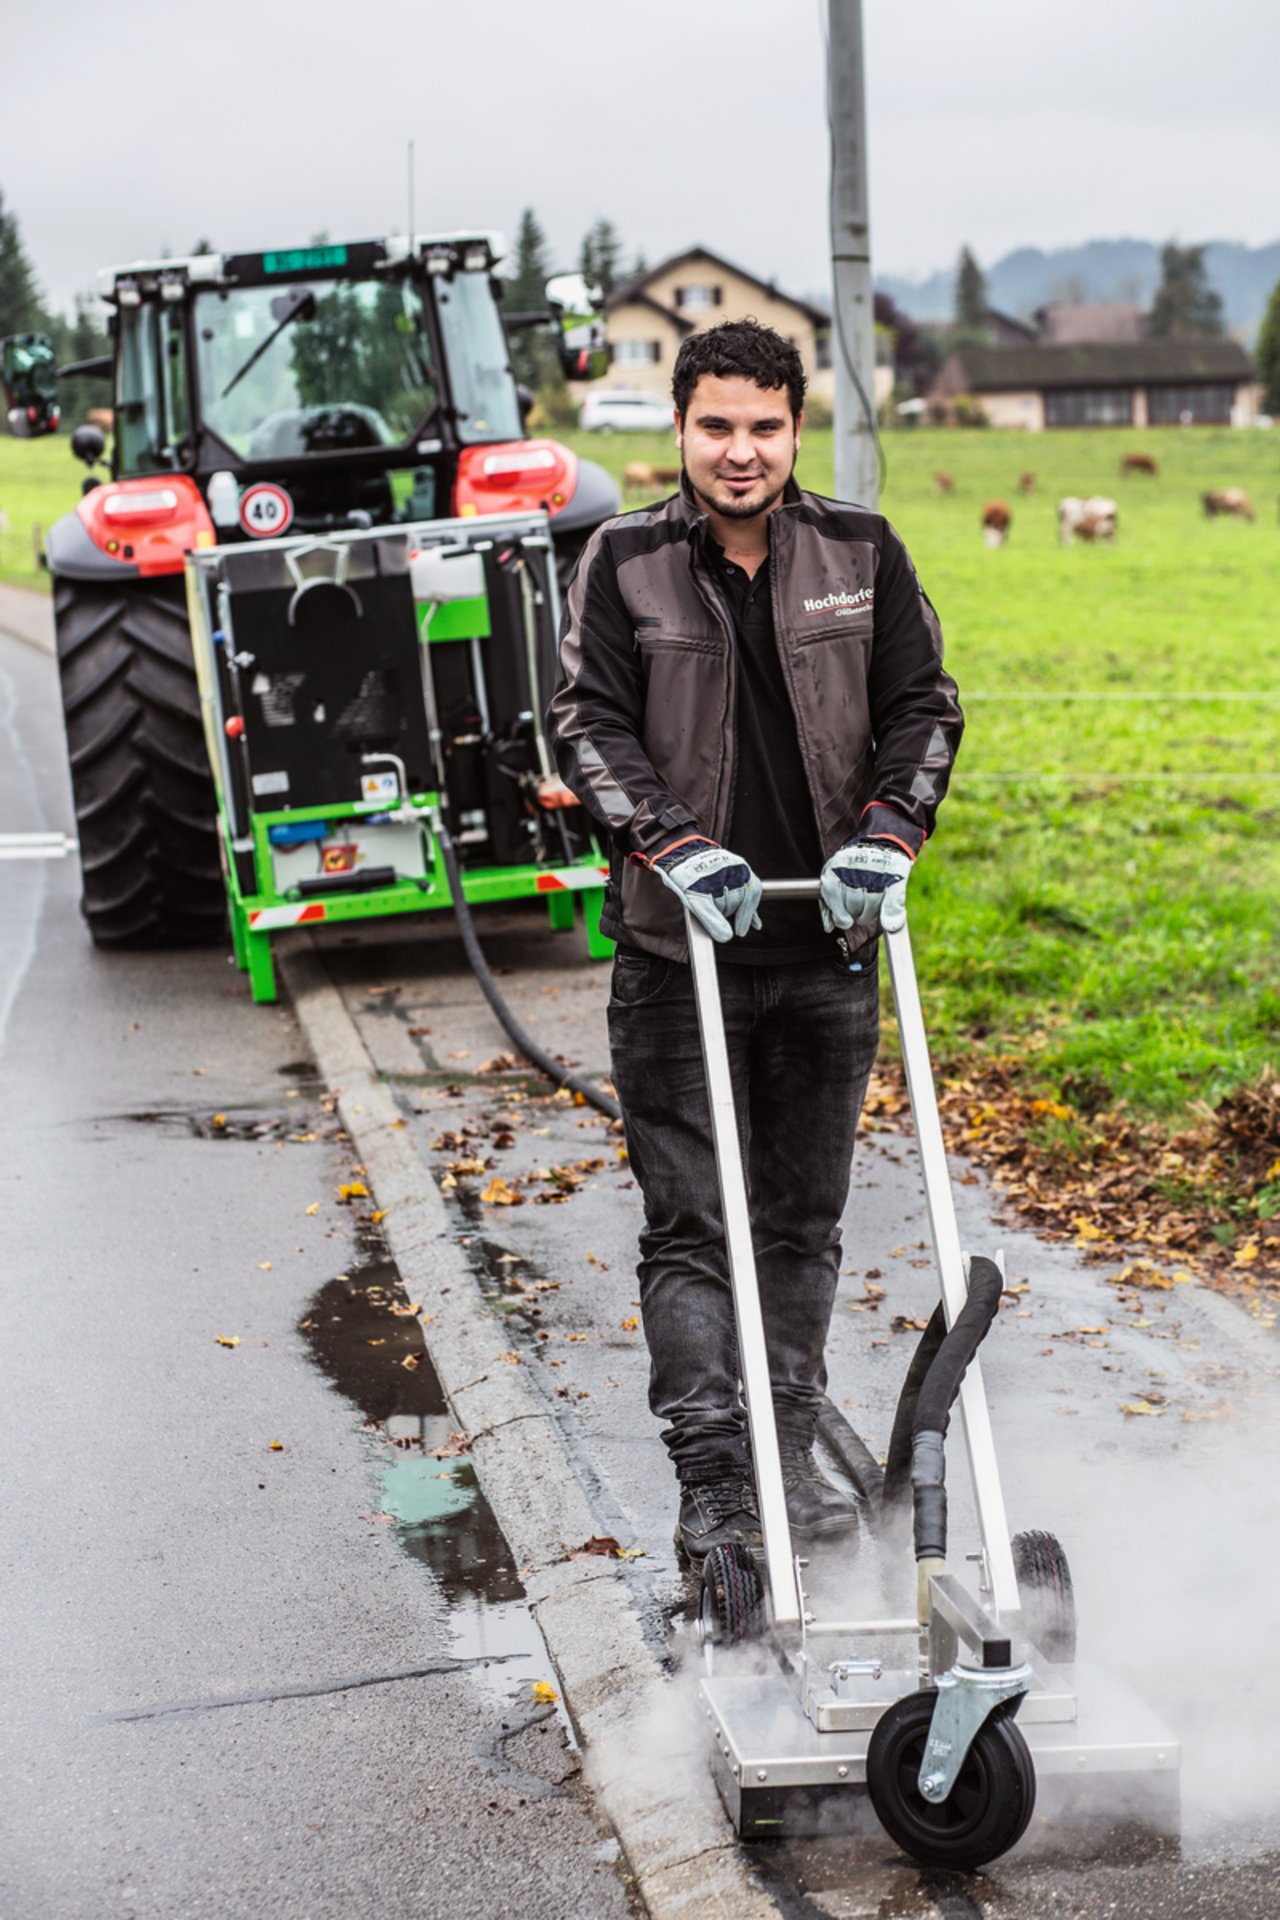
x=545 y=1062
x=924 y=1409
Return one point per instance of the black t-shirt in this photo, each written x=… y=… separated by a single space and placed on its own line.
x=771 y=822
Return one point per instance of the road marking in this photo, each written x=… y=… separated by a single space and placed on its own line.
x=36 y=846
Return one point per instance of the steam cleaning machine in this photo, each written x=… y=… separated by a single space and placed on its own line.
x=952 y=1703
x=372 y=707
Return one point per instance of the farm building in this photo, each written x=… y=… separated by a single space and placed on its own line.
x=1103 y=383
x=648 y=317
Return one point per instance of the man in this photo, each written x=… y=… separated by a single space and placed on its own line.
x=751 y=688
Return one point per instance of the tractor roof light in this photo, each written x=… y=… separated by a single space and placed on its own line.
x=475 y=259
x=151 y=505
x=128 y=293
x=172 y=286
x=440 y=260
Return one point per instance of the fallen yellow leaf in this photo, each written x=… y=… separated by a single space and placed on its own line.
x=219 y=1119
x=380 y=1214
x=1141 y=1406
x=353 y=1190
x=228 y=1339
x=499 y=1194
x=630 y=1325
x=277 y=1446
x=544 y=1693
x=264 y=1266
x=314 y=1207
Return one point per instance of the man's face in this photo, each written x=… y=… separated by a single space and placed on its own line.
x=739 y=443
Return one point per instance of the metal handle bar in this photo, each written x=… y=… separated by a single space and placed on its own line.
x=753 y=1353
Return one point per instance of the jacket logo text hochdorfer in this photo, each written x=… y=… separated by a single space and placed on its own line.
x=842 y=602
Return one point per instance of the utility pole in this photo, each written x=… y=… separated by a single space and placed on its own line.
x=853 y=341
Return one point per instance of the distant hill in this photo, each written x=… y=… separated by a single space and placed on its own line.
x=1099 y=270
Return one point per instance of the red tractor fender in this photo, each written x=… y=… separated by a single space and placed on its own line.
x=147 y=524
x=515 y=476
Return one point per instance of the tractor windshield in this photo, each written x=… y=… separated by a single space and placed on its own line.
x=332 y=367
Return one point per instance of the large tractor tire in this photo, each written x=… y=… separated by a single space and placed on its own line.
x=144 y=797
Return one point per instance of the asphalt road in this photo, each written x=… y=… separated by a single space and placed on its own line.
x=242 y=1678
x=159 y=1554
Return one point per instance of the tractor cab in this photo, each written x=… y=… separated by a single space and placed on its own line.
x=361 y=384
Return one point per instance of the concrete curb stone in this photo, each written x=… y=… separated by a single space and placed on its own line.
x=680 y=1848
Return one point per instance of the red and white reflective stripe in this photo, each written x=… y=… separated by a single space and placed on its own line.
x=569 y=877
x=265 y=919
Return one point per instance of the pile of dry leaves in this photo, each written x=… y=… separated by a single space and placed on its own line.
x=1115 y=1185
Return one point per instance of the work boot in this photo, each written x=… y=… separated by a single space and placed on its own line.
x=814 y=1507
x=716 y=1512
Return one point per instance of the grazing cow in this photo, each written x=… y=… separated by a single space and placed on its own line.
x=996 y=522
x=1091 y=519
x=943 y=482
x=1228 y=500
x=638 y=476
x=1139 y=463
x=1026 y=483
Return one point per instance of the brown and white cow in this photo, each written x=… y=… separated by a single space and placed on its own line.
x=1091 y=519
x=1227 y=500
x=996 y=522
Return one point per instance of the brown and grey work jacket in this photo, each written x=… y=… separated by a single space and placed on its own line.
x=644 y=717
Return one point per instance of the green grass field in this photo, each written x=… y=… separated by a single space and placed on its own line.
x=1101 y=904
x=1102 y=897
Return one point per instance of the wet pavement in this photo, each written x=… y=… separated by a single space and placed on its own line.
x=260 y=1660
x=1139 y=1424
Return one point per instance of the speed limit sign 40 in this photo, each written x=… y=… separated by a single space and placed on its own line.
x=265 y=510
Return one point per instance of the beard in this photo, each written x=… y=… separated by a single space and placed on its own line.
x=748 y=508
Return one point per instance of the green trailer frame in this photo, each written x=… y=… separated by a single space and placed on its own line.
x=259 y=906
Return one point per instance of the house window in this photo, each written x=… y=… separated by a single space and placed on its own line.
x=698 y=299
x=1089 y=407
x=636 y=353
x=1196 y=406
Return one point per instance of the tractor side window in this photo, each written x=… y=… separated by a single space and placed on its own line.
x=484 y=388
x=177 y=402
x=139 y=432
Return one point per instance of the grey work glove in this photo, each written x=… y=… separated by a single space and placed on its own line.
x=864 y=884
x=719 y=889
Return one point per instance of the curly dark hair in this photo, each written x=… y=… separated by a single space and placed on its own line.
x=741 y=348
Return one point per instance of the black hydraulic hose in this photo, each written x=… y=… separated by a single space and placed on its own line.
x=545 y=1062
x=937 y=1397
x=897 y=1465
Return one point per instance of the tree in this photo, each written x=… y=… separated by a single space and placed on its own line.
x=20 y=308
x=533 y=353
x=601 y=256
x=1267 y=352
x=971 y=297
x=1185 y=306
x=915 y=353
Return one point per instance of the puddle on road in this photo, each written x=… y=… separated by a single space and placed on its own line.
x=362 y=1337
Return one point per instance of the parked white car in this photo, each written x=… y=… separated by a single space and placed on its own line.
x=624 y=412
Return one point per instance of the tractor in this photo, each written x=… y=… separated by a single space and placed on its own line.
x=315 y=595
x=28 y=378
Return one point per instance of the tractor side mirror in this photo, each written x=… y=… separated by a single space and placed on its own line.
x=89 y=443
x=578 y=305
x=29 y=375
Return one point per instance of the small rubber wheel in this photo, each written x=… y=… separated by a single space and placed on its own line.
x=1048 y=1596
x=732 y=1596
x=986 y=1811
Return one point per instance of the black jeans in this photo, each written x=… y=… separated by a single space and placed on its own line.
x=802 y=1040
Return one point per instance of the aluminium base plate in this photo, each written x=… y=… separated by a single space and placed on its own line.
x=778 y=1776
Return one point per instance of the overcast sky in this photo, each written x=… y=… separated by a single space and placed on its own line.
x=129 y=126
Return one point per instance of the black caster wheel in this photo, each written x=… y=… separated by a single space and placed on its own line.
x=732 y=1609
x=986 y=1811
x=1048 y=1597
